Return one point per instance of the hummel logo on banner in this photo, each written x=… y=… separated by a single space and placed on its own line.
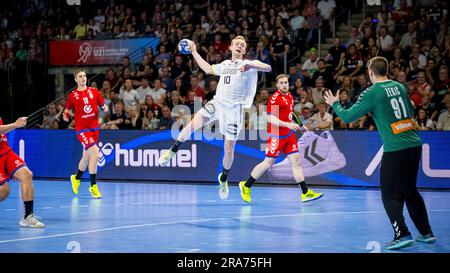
x=313 y=155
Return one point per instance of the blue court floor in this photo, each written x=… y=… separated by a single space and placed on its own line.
x=190 y=218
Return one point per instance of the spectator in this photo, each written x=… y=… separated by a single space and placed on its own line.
x=151 y=105
x=441 y=89
x=278 y=48
x=150 y=122
x=166 y=122
x=134 y=122
x=128 y=95
x=113 y=80
x=344 y=101
x=116 y=120
x=50 y=121
x=406 y=41
x=80 y=30
x=417 y=54
x=294 y=74
x=305 y=116
x=444 y=118
x=423 y=122
x=166 y=80
x=321 y=120
x=158 y=93
x=297 y=90
x=385 y=42
x=327 y=10
x=180 y=70
x=310 y=65
x=354 y=34
x=211 y=91
x=361 y=84
x=316 y=93
x=143 y=90
x=62 y=124
x=414 y=70
x=336 y=54
x=258 y=118
x=351 y=66
x=313 y=24
x=310 y=8
x=199 y=92
x=162 y=56
x=325 y=72
x=303 y=102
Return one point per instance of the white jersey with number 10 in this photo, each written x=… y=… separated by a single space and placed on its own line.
x=234 y=86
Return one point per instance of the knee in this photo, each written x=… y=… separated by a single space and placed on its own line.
x=94 y=156
x=27 y=175
x=4 y=191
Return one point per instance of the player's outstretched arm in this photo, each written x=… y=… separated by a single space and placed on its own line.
x=359 y=109
x=199 y=60
x=257 y=65
x=20 y=122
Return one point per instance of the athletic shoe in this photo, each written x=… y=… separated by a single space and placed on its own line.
x=31 y=222
x=245 y=192
x=95 y=191
x=402 y=242
x=427 y=238
x=165 y=158
x=75 y=183
x=310 y=195
x=318 y=155
x=223 y=188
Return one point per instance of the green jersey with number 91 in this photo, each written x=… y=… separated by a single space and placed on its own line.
x=392 y=111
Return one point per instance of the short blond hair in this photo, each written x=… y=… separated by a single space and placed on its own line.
x=281 y=76
x=78 y=71
x=239 y=37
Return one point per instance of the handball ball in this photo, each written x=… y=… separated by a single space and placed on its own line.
x=183 y=46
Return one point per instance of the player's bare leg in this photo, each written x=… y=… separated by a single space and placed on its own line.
x=4 y=191
x=257 y=172
x=307 y=194
x=25 y=176
x=196 y=123
x=227 y=162
x=82 y=166
x=94 y=154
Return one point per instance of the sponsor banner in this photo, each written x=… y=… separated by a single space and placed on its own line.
x=98 y=52
x=328 y=158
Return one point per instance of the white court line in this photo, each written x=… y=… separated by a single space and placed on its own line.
x=197 y=220
x=10 y=209
x=46 y=207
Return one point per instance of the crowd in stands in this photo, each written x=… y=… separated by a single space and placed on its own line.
x=165 y=86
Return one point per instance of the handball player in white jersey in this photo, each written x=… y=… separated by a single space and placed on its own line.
x=235 y=92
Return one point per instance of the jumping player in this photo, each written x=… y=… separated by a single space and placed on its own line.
x=389 y=103
x=236 y=90
x=12 y=166
x=282 y=138
x=85 y=100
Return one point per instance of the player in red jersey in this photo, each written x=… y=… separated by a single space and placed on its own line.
x=282 y=138
x=12 y=166
x=85 y=101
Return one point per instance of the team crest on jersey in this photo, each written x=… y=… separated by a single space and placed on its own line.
x=285 y=100
x=87 y=109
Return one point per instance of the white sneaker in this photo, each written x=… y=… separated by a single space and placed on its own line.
x=223 y=188
x=318 y=155
x=31 y=222
x=165 y=158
